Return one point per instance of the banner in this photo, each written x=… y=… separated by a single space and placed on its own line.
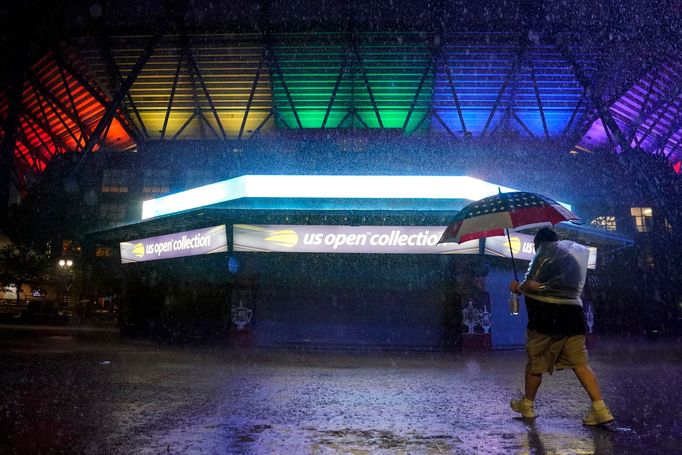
x=374 y=239
x=179 y=244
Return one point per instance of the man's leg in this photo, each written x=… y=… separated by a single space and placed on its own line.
x=599 y=412
x=589 y=382
x=532 y=384
x=525 y=404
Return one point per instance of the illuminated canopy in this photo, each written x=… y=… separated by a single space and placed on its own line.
x=324 y=187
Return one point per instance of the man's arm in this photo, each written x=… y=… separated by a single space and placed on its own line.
x=526 y=285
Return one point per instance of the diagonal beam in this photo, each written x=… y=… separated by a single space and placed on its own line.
x=442 y=122
x=274 y=64
x=193 y=63
x=642 y=114
x=36 y=133
x=509 y=111
x=365 y=80
x=56 y=140
x=252 y=93
x=21 y=137
x=665 y=106
x=337 y=84
x=357 y=116
x=184 y=125
x=455 y=97
x=56 y=106
x=118 y=98
x=262 y=124
x=116 y=80
x=428 y=68
x=522 y=123
x=125 y=122
x=503 y=88
x=574 y=113
x=202 y=118
x=537 y=96
x=172 y=93
x=675 y=125
x=429 y=112
x=74 y=110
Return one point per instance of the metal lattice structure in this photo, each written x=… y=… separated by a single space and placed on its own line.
x=117 y=92
x=649 y=114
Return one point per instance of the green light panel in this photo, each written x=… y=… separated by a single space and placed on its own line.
x=394 y=72
x=310 y=70
x=390 y=72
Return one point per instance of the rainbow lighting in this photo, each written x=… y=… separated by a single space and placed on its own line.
x=324 y=187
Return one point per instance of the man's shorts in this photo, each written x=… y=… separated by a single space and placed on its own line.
x=546 y=353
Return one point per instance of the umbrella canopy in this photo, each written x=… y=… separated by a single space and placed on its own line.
x=491 y=216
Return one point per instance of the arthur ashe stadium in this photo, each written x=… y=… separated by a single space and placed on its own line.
x=285 y=169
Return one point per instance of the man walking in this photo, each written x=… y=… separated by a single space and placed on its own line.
x=556 y=324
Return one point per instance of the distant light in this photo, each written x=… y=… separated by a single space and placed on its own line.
x=69 y=262
x=325 y=187
x=233 y=264
x=62 y=263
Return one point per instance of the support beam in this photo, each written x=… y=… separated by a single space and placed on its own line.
x=415 y=98
x=116 y=80
x=197 y=73
x=503 y=88
x=451 y=83
x=20 y=136
x=442 y=122
x=633 y=168
x=56 y=106
x=172 y=93
x=56 y=140
x=665 y=107
x=574 y=113
x=537 y=97
x=367 y=86
x=675 y=126
x=123 y=120
x=337 y=84
x=262 y=124
x=74 y=110
x=184 y=125
x=252 y=93
x=274 y=64
x=117 y=99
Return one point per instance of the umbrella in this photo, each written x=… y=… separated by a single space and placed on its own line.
x=495 y=215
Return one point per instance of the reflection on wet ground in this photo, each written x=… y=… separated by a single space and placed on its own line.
x=69 y=395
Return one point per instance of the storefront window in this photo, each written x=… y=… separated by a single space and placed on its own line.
x=643 y=218
x=114 y=181
x=156 y=181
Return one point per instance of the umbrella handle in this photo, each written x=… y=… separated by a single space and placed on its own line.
x=516 y=277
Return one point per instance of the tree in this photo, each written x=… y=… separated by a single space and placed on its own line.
x=22 y=265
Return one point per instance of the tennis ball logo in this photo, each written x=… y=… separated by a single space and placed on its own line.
x=138 y=250
x=286 y=237
x=515 y=245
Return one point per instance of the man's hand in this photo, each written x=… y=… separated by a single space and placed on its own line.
x=514 y=287
x=530 y=285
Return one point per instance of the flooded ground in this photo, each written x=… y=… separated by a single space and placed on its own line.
x=65 y=393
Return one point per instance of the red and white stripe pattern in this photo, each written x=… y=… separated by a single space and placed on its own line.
x=490 y=216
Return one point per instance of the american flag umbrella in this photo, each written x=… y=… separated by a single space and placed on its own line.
x=495 y=215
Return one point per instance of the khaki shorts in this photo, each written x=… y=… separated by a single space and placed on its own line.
x=546 y=353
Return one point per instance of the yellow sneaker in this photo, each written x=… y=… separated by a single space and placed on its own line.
x=520 y=406
x=598 y=417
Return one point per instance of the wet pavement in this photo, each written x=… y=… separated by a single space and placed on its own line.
x=66 y=393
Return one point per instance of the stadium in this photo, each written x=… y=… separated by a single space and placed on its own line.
x=316 y=141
